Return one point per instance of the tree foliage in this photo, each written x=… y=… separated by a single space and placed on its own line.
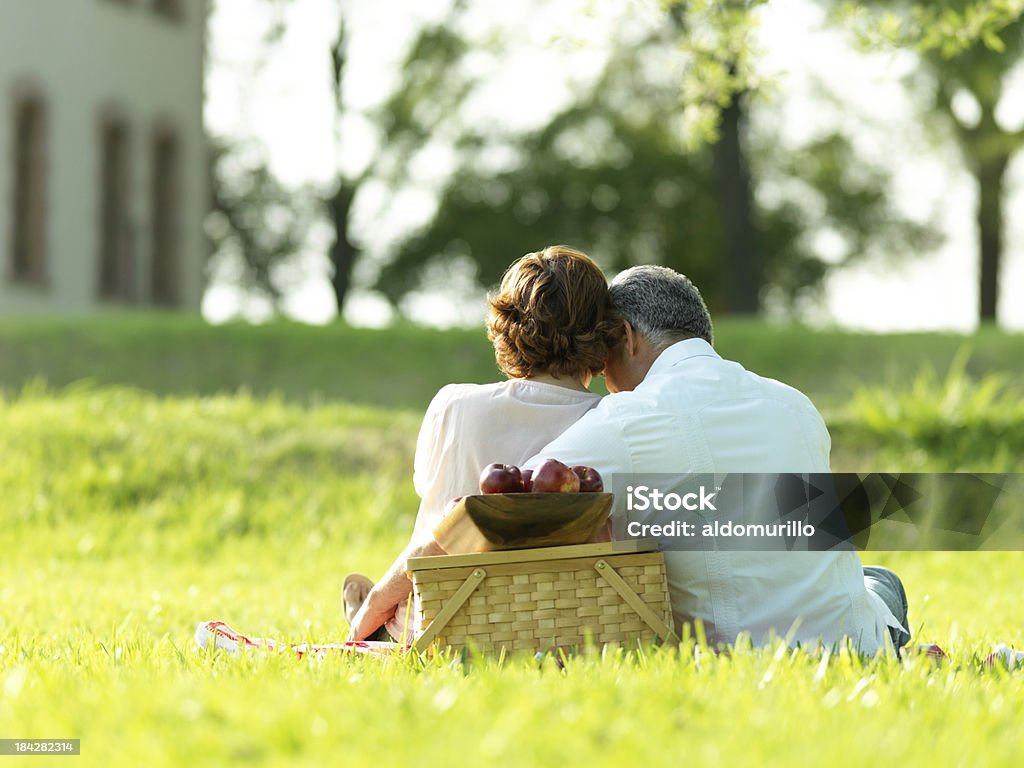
x=946 y=28
x=431 y=89
x=630 y=171
x=613 y=174
x=256 y=225
x=714 y=40
x=967 y=52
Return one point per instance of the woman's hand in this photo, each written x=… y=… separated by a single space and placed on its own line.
x=373 y=614
x=393 y=588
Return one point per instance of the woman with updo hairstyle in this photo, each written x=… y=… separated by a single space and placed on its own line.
x=551 y=317
x=552 y=324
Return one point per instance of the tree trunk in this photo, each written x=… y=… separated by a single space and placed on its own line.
x=990 y=176
x=343 y=254
x=744 y=271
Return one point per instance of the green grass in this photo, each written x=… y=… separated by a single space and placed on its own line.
x=126 y=517
x=950 y=423
x=404 y=366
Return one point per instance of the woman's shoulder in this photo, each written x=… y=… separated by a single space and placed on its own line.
x=523 y=391
x=454 y=395
x=467 y=391
x=465 y=395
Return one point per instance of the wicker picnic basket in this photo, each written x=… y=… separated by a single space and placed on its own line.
x=536 y=599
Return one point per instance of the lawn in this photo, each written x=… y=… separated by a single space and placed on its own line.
x=402 y=367
x=158 y=495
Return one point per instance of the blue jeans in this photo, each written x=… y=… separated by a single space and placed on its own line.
x=887 y=585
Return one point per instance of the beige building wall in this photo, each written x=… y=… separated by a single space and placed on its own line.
x=90 y=63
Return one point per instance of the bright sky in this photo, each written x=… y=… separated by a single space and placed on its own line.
x=285 y=102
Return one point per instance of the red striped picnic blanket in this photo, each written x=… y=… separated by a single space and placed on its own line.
x=219 y=634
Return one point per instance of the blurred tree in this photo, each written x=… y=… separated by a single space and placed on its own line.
x=625 y=171
x=431 y=88
x=715 y=37
x=343 y=253
x=258 y=225
x=968 y=51
x=612 y=174
x=255 y=224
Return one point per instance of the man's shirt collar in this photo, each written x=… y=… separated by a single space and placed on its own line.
x=681 y=350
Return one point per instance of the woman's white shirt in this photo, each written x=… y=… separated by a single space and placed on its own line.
x=468 y=426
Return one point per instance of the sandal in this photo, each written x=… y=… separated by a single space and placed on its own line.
x=360 y=582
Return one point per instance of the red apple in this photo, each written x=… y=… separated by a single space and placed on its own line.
x=590 y=479
x=552 y=476
x=528 y=480
x=501 y=478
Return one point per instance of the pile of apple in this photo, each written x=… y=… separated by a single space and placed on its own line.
x=552 y=476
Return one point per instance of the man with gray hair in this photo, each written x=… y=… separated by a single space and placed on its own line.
x=677 y=408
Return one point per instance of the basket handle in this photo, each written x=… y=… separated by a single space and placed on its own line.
x=633 y=600
x=474 y=580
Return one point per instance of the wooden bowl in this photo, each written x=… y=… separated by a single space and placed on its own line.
x=522 y=520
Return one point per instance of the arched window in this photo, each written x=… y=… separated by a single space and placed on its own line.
x=28 y=252
x=165 y=214
x=116 y=264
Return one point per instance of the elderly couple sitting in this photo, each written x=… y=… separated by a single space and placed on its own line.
x=676 y=407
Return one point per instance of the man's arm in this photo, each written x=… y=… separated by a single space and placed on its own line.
x=393 y=588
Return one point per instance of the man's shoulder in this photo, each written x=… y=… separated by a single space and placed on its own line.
x=788 y=399
x=777 y=389
x=620 y=404
x=710 y=380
